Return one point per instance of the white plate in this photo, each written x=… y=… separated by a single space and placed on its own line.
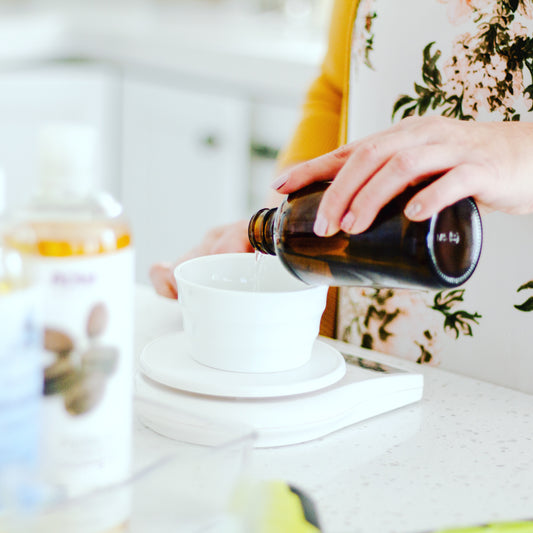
x=166 y=361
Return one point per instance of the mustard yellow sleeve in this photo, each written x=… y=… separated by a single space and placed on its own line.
x=322 y=127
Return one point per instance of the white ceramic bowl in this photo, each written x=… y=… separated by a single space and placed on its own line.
x=244 y=315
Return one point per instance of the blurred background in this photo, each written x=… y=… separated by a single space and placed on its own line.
x=191 y=99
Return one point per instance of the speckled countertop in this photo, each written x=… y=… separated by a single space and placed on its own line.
x=461 y=456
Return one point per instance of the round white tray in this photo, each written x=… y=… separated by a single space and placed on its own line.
x=167 y=361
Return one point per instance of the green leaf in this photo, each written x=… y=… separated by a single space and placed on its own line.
x=430 y=72
x=528 y=285
x=421 y=90
x=437 y=101
x=527 y=306
x=403 y=100
x=367 y=341
x=459 y=322
x=425 y=356
x=445 y=300
x=423 y=104
x=409 y=112
x=382 y=331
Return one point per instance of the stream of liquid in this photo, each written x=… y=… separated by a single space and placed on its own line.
x=259 y=267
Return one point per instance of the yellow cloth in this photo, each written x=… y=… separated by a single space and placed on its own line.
x=323 y=124
x=274 y=507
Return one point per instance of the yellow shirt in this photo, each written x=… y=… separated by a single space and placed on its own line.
x=323 y=124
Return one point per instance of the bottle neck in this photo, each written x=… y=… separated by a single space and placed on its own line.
x=261 y=231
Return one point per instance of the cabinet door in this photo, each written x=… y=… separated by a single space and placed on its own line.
x=185 y=162
x=271 y=129
x=33 y=97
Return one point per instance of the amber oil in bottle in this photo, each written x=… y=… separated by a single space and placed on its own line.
x=394 y=252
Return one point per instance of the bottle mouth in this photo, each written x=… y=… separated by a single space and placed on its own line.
x=260 y=231
x=454 y=242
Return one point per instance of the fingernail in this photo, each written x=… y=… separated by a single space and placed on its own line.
x=347 y=222
x=321 y=226
x=280 y=181
x=412 y=210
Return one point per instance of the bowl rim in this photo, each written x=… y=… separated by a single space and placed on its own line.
x=241 y=256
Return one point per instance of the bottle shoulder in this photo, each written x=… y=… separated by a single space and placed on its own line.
x=69 y=226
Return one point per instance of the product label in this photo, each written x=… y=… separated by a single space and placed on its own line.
x=88 y=340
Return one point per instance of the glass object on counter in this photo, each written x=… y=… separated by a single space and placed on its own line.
x=172 y=486
x=394 y=252
x=76 y=243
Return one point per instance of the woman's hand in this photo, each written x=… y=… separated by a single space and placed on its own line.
x=492 y=162
x=223 y=239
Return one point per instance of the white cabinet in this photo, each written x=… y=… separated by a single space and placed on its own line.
x=185 y=166
x=272 y=125
x=55 y=92
x=192 y=160
x=180 y=160
x=192 y=103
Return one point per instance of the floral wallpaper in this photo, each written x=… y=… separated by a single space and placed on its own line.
x=487 y=73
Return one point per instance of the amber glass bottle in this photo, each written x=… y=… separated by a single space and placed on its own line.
x=394 y=252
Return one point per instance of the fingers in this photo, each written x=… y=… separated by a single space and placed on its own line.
x=461 y=182
x=369 y=159
x=162 y=278
x=405 y=168
x=322 y=168
x=351 y=168
x=491 y=162
x=374 y=150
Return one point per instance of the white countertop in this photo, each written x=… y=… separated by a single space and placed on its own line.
x=254 y=52
x=461 y=456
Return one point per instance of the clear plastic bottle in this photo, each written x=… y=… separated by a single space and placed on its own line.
x=394 y=252
x=20 y=375
x=77 y=244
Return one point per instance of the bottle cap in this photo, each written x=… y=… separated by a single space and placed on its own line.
x=454 y=242
x=66 y=159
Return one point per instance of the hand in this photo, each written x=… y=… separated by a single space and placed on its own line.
x=492 y=162
x=223 y=239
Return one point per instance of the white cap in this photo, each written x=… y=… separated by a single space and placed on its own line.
x=66 y=159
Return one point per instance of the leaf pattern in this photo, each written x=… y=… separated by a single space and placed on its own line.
x=491 y=69
x=459 y=322
x=487 y=71
x=526 y=306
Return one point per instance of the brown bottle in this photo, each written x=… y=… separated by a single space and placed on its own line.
x=396 y=252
